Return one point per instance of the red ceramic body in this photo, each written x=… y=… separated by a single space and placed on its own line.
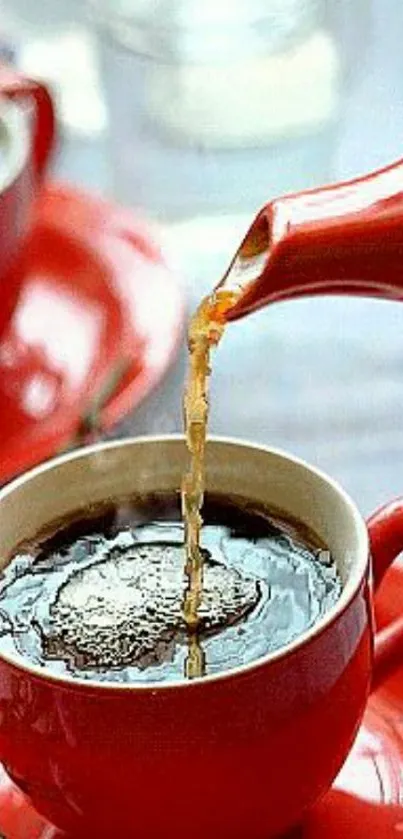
x=239 y=754
x=29 y=126
x=242 y=755
x=345 y=238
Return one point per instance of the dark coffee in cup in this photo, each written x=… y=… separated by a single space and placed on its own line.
x=100 y=596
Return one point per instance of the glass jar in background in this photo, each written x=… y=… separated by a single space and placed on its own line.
x=216 y=106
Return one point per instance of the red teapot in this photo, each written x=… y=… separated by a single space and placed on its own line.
x=345 y=238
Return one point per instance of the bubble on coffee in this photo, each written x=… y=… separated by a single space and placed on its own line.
x=127 y=609
x=102 y=597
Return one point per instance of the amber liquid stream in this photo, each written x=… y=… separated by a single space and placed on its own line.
x=205 y=331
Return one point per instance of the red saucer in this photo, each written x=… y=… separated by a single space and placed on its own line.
x=98 y=320
x=366 y=801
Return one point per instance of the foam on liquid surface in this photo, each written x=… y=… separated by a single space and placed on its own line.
x=106 y=604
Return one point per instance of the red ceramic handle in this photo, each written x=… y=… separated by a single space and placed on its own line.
x=341 y=239
x=385 y=529
x=18 y=87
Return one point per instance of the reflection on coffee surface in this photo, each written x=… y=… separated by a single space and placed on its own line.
x=101 y=597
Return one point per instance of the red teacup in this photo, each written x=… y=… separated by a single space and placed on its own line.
x=27 y=127
x=239 y=754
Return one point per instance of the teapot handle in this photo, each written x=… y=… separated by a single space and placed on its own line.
x=385 y=528
x=341 y=239
x=16 y=86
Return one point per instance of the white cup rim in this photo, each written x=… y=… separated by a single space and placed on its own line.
x=14 y=135
x=350 y=588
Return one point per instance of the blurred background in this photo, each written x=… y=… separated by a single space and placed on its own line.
x=195 y=114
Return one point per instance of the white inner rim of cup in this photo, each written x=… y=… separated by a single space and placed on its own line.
x=233 y=466
x=14 y=142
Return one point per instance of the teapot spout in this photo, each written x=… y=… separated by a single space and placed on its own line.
x=341 y=239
